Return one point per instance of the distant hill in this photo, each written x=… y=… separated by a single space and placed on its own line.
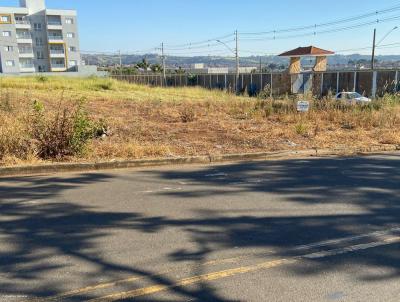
x=217 y=61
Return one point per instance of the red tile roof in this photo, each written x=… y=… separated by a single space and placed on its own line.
x=307 y=51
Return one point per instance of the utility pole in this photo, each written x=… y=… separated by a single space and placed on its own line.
x=260 y=65
x=120 y=62
x=378 y=44
x=163 y=64
x=237 y=61
x=373 y=51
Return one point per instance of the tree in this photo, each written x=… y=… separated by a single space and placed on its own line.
x=272 y=66
x=143 y=65
x=180 y=70
x=156 y=68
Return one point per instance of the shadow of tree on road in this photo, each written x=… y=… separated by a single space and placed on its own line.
x=370 y=184
x=38 y=229
x=41 y=231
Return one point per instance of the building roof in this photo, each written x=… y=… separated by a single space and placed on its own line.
x=61 y=12
x=13 y=10
x=307 y=51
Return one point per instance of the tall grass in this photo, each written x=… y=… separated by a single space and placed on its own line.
x=147 y=121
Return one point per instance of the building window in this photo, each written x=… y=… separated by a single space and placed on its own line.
x=10 y=63
x=6 y=33
x=70 y=35
x=69 y=21
x=40 y=55
x=58 y=63
x=37 y=26
x=39 y=42
x=72 y=49
x=21 y=19
x=8 y=48
x=73 y=63
x=5 y=19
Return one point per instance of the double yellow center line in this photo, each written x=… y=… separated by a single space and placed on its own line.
x=242 y=270
x=193 y=280
x=386 y=240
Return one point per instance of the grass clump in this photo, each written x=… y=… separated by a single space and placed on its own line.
x=14 y=140
x=6 y=104
x=42 y=79
x=301 y=129
x=103 y=85
x=187 y=115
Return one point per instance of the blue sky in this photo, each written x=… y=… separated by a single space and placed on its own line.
x=132 y=25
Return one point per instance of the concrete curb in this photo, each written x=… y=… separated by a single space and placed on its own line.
x=96 y=166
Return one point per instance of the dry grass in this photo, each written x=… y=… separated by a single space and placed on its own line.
x=154 y=122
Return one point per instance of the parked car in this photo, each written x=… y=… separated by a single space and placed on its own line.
x=352 y=97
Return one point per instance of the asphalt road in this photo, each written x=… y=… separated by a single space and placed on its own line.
x=322 y=229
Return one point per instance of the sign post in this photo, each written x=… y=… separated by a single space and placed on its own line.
x=303 y=106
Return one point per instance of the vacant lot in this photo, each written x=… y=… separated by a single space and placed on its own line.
x=46 y=119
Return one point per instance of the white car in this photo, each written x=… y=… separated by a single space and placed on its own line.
x=352 y=97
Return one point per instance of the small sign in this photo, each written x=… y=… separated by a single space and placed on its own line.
x=303 y=106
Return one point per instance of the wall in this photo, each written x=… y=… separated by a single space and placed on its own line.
x=71 y=28
x=40 y=18
x=9 y=41
x=320 y=84
x=83 y=72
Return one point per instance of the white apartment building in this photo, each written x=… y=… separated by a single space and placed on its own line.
x=36 y=39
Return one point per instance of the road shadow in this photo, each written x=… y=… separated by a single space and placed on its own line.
x=40 y=231
x=371 y=185
x=35 y=228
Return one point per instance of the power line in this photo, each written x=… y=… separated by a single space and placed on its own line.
x=189 y=44
x=315 y=33
x=203 y=46
x=391 y=45
x=138 y=52
x=327 y=24
x=197 y=52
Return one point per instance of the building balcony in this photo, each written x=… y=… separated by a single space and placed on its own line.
x=56 y=38
x=57 y=53
x=26 y=53
x=24 y=39
x=54 y=22
x=54 y=26
x=22 y=24
x=27 y=68
x=58 y=67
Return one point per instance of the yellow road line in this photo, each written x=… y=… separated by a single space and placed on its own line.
x=193 y=280
x=123 y=281
x=87 y=289
x=207 y=276
x=242 y=270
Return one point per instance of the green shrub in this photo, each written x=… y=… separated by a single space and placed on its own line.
x=63 y=133
x=42 y=79
x=103 y=85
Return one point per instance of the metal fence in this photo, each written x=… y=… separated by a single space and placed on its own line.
x=369 y=83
